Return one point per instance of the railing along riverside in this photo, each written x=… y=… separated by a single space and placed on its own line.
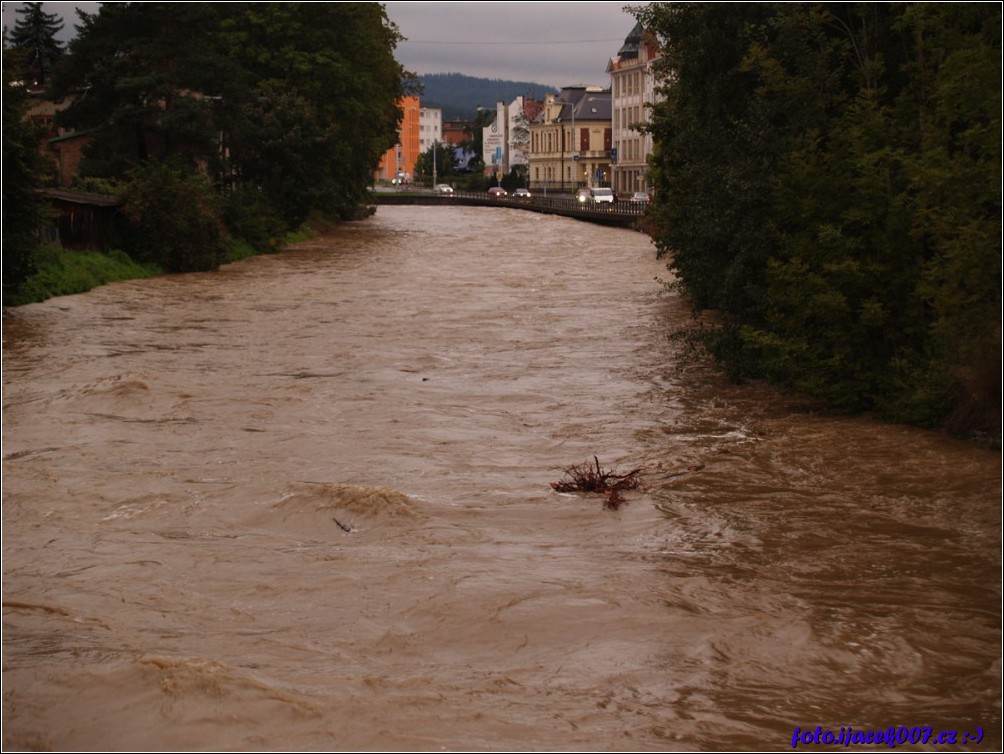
x=621 y=212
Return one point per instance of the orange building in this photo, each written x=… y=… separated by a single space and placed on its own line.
x=400 y=161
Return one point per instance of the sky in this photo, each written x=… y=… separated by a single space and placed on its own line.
x=553 y=43
x=557 y=44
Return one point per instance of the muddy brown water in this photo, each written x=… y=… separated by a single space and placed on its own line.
x=304 y=503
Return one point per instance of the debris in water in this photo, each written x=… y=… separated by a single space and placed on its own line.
x=591 y=477
x=345 y=528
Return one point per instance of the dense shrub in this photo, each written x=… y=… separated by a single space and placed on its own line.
x=173 y=217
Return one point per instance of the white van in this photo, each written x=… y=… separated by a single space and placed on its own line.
x=602 y=196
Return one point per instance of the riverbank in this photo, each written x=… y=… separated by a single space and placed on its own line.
x=64 y=272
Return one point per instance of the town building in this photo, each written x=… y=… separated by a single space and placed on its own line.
x=633 y=92
x=519 y=115
x=494 y=152
x=571 y=139
x=430 y=128
x=506 y=141
x=398 y=164
x=62 y=147
x=455 y=131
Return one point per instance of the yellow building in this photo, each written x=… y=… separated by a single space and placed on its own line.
x=570 y=140
x=398 y=164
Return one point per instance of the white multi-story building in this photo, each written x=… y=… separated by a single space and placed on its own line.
x=506 y=141
x=633 y=92
x=430 y=128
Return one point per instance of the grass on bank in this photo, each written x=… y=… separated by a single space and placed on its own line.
x=64 y=272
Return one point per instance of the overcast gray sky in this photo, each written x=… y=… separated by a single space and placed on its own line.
x=558 y=44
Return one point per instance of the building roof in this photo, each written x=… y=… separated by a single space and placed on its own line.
x=630 y=53
x=79 y=197
x=631 y=43
x=585 y=103
x=594 y=106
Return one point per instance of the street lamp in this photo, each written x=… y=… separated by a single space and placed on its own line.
x=575 y=155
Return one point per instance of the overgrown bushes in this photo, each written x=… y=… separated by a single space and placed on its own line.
x=174 y=219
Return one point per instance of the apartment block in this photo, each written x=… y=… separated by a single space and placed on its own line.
x=633 y=92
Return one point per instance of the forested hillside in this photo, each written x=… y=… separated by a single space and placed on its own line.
x=828 y=183
x=459 y=96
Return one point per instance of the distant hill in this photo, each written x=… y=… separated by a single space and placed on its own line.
x=459 y=96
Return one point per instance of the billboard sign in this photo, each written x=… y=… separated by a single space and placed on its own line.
x=494 y=144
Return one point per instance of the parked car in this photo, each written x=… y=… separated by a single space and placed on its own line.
x=444 y=188
x=640 y=197
x=521 y=193
x=497 y=192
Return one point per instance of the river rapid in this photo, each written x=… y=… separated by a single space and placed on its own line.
x=305 y=503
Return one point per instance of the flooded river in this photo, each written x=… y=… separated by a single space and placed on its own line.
x=305 y=503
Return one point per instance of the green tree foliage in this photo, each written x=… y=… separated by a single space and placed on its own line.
x=438 y=158
x=35 y=34
x=323 y=102
x=174 y=218
x=517 y=177
x=286 y=107
x=153 y=75
x=474 y=138
x=23 y=173
x=828 y=179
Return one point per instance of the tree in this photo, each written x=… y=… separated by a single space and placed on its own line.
x=712 y=168
x=440 y=157
x=157 y=82
x=323 y=105
x=287 y=107
x=474 y=143
x=35 y=33
x=827 y=180
x=23 y=173
x=173 y=217
x=519 y=139
x=955 y=100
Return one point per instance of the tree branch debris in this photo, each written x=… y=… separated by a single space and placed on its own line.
x=591 y=477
